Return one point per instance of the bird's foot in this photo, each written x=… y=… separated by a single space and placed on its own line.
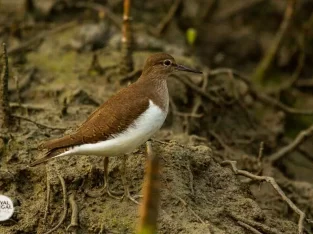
x=105 y=190
x=130 y=197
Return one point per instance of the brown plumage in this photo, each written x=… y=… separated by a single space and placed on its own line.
x=121 y=110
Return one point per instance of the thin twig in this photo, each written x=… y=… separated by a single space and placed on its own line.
x=196 y=88
x=38 y=124
x=295 y=76
x=64 y=204
x=300 y=138
x=272 y=181
x=261 y=149
x=267 y=60
x=168 y=18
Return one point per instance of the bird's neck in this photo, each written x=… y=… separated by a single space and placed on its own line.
x=157 y=91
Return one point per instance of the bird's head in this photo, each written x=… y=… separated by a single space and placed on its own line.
x=162 y=65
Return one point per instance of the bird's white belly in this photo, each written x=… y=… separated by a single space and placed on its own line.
x=138 y=133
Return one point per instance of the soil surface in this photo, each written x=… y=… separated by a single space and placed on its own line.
x=64 y=62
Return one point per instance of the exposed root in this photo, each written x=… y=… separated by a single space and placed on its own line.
x=301 y=137
x=272 y=181
x=255 y=225
x=64 y=204
x=74 y=218
x=248 y=227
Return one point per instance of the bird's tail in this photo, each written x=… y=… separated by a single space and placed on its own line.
x=52 y=153
x=54 y=148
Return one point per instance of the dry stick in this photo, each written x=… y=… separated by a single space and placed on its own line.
x=272 y=181
x=248 y=227
x=259 y=95
x=64 y=204
x=151 y=194
x=40 y=36
x=38 y=124
x=126 y=64
x=267 y=60
x=4 y=96
x=301 y=137
x=167 y=19
x=74 y=218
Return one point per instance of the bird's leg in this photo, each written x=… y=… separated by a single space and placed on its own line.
x=106 y=186
x=125 y=183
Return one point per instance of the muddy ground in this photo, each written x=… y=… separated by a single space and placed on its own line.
x=64 y=62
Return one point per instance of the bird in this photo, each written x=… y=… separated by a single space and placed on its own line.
x=124 y=122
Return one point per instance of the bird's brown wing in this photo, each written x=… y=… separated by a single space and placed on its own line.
x=112 y=117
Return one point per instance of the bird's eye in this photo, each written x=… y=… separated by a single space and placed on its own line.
x=167 y=62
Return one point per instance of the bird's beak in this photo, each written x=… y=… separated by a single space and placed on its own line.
x=187 y=69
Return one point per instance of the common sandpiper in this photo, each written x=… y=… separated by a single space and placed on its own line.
x=125 y=121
